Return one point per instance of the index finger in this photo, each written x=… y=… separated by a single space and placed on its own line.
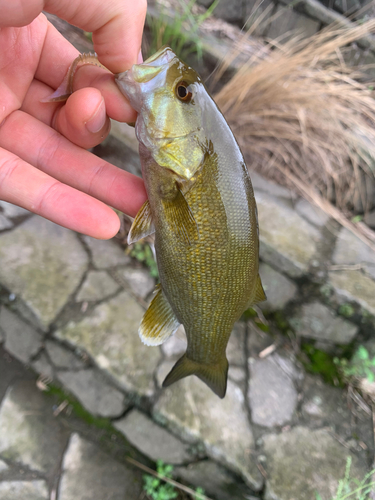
x=117 y=25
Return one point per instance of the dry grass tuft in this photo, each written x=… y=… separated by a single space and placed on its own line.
x=300 y=112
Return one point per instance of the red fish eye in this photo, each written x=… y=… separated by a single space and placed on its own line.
x=182 y=92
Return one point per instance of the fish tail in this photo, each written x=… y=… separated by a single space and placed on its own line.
x=214 y=375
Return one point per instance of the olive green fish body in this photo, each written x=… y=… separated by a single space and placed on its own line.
x=202 y=209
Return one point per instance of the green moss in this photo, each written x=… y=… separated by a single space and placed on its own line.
x=346 y=310
x=78 y=410
x=249 y=314
x=281 y=321
x=262 y=326
x=322 y=363
x=326 y=291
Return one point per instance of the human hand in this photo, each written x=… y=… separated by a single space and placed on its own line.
x=43 y=164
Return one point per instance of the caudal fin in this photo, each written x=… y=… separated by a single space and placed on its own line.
x=215 y=375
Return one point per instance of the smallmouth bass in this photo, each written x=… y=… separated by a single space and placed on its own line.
x=201 y=208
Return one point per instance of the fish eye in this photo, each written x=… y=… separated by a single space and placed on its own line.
x=182 y=92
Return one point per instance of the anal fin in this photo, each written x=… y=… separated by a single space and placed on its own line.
x=142 y=225
x=181 y=219
x=159 y=321
x=213 y=375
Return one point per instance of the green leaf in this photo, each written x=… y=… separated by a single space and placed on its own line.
x=362 y=353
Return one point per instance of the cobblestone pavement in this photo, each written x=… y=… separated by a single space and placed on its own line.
x=70 y=307
x=47 y=454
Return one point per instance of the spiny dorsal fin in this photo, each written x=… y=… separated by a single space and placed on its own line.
x=142 y=225
x=181 y=219
x=159 y=321
x=215 y=376
x=259 y=292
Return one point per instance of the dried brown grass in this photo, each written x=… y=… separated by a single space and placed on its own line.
x=303 y=116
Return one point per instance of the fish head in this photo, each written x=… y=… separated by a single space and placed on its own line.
x=167 y=95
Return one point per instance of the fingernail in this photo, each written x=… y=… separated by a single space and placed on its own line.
x=140 y=57
x=98 y=119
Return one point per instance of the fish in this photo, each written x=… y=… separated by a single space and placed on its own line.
x=202 y=210
x=200 y=207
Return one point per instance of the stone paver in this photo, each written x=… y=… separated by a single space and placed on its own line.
x=175 y=346
x=29 y=434
x=106 y=253
x=42 y=366
x=370 y=219
x=152 y=440
x=90 y=474
x=303 y=462
x=274 y=190
x=312 y=213
x=139 y=281
x=354 y=286
x=110 y=335
x=11 y=210
x=316 y=321
x=191 y=409
x=21 y=339
x=214 y=479
x=97 y=286
x=351 y=250
x=237 y=375
x=279 y=289
x=236 y=345
x=35 y=265
x=30 y=490
x=291 y=23
x=4 y=222
x=62 y=357
x=326 y=405
x=287 y=241
x=94 y=392
x=272 y=395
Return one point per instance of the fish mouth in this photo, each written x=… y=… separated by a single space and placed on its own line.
x=163 y=56
x=149 y=74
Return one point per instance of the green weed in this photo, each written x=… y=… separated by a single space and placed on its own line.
x=143 y=253
x=180 y=33
x=156 y=488
x=346 y=310
x=361 y=365
x=353 y=489
x=322 y=363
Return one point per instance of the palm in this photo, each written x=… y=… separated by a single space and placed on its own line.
x=43 y=166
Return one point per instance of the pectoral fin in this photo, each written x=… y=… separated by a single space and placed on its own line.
x=181 y=219
x=159 y=321
x=259 y=292
x=142 y=225
x=215 y=376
